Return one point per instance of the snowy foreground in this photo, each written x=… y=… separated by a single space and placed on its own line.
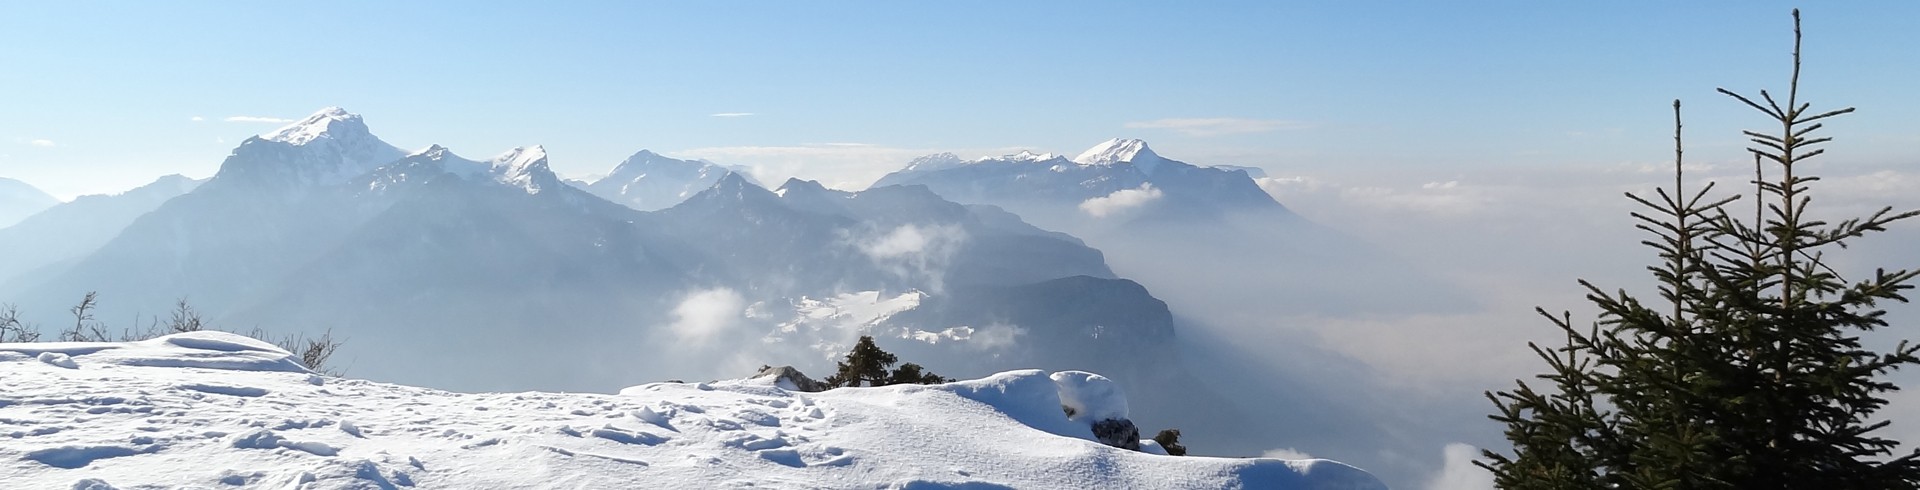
x=215 y=410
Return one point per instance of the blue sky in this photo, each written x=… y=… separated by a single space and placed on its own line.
x=100 y=97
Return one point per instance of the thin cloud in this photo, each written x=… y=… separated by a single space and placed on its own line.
x=732 y=114
x=1285 y=453
x=1217 y=126
x=1460 y=472
x=42 y=143
x=197 y=119
x=258 y=119
x=1121 y=200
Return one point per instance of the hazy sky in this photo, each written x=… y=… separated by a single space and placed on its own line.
x=100 y=97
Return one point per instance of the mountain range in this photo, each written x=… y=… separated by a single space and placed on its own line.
x=69 y=230
x=648 y=181
x=952 y=263
x=1207 y=237
x=321 y=225
x=19 y=200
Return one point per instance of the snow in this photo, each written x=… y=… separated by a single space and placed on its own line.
x=314 y=127
x=937 y=161
x=215 y=410
x=1119 y=150
x=1022 y=156
x=330 y=147
x=859 y=311
x=522 y=167
x=1090 y=397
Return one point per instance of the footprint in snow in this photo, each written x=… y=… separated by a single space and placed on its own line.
x=93 y=484
x=266 y=439
x=628 y=437
x=71 y=457
x=757 y=417
x=752 y=442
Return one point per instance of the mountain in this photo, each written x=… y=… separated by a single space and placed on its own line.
x=493 y=267
x=259 y=217
x=1123 y=179
x=1209 y=239
x=70 y=230
x=648 y=181
x=210 y=409
x=326 y=148
x=18 y=200
x=428 y=244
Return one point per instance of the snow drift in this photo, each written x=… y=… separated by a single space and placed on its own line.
x=210 y=409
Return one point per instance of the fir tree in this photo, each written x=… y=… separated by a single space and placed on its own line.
x=866 y=363
x=1751 y=375
x=910 y=373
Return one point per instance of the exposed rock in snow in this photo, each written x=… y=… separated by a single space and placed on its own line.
x=210 y=409
x=791 y=379
x=1094 y=400
x=1120 y=433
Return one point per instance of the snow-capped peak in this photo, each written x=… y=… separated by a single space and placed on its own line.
x=640 y=164
x=329 y=147
x=1119 y=150
x=1115 y=151
x=434 y=152
x=521 y=159
x=937 y=161
x=327 y=122
x=525 y=167
x=795 y=185
x=1022 y=156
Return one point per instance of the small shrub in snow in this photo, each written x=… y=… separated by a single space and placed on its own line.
x=1169 y=439
x=14 y=330
x=84 y=328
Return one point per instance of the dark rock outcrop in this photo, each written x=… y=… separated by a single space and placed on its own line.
x=1119 y=433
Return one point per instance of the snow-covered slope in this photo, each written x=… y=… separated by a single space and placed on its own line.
x=18 y=200
x=648 y=181
x=216 y=410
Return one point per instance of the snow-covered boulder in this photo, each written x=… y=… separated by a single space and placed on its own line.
x=1090 y=397
x=1094 y=400
x=209 y=410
